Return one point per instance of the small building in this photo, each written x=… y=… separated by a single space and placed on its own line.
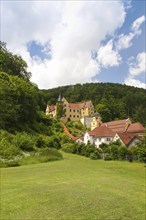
x=127 y=139
x=96 y=121
x=72 y=111
x=51 y=110
x=118 y=126
x=98 y=136
x=125 y=126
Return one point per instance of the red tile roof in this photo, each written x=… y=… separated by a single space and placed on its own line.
x=117 y=126
x=80 y=105
x=101 y=131
x=85 y=104
x=74 y=105
x=127 y=138
x=135 y=128
x=51 y=108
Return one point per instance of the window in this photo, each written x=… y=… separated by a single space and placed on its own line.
x=74 y=116
x=108 y=139
x=99 y=139
x=74 y=110
x=70 y=110
x=70 y=115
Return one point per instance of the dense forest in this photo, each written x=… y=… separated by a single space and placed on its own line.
x=27 y=135
x=112 y=101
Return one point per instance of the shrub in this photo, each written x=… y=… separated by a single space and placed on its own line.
x=108 y=157
x=122 y=152
x=8 y=150
x=24 y=141
x=114 y=151
x=104 y=147
x=69 y=148
x=95 y=155
x=139 y=152
x=6 y=135
x=52 y=142
x=39 y=141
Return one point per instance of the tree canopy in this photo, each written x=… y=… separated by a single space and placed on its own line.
x=12 y=64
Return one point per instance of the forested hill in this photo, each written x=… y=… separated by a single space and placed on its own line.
x=22 y=102
x=112 y=101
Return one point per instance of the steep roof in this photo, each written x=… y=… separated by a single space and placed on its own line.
x=135 y=128
x=119 y=126
x=51 y=108
x=127 y=138
x=101 y=131
x=80 y=105
x=74 y=105
x=86 y=104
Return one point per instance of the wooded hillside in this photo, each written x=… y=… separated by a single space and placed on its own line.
x=112 y=101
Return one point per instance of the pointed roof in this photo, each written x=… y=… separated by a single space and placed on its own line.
x=127 y=138
x=59 y=99
x=74 y=105
x=51 y=108
x=119 y=126
x=135 y=128
x=101 y=131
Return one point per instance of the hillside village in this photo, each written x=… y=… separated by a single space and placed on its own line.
x=128 y=133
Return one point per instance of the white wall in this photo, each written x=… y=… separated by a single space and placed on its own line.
x=88 y=138
x=100 y=140
x=95 y=140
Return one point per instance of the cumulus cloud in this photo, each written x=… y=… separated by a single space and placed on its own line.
x=137 y=67
x=73 y=28
x=137 y=23
x=135 y=82
x=125 y=41
x=107 y=56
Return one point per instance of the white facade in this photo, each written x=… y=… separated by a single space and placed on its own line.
x=133 y=142
x=96 y=140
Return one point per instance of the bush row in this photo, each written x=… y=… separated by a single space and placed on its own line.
x=114 y=151
x=40 y=156
x=82 y=149
x=13 y=147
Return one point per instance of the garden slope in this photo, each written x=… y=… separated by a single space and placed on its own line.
x=75 y=188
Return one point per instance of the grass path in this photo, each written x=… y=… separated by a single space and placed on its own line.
x=74 y=188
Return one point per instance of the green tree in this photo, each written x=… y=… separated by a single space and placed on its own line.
x=59 y=110
x=12 y=64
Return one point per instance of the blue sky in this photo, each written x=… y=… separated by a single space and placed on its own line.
x=69 y=42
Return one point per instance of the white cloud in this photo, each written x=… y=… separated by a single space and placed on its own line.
x=73 y=28
x=137 y=68
x=135 y=82
x=137 y=23
x=107 y=56
x=125 y=41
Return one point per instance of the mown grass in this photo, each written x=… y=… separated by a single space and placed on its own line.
x=74 y=188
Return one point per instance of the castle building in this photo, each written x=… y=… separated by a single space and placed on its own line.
x=72 y=111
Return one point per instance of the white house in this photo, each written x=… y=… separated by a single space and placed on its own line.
x=98 y=136
x=127 y=139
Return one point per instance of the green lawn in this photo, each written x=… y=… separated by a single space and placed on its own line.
x=74 y=188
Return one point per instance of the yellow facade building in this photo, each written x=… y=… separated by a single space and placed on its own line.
x=72 y=111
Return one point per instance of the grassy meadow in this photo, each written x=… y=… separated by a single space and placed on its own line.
x=74 y=188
